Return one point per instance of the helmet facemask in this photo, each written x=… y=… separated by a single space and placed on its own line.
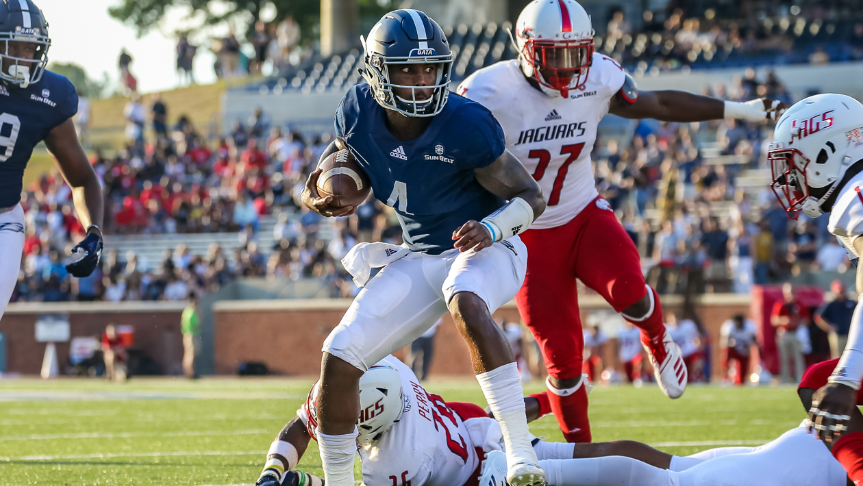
x=559 y=65
x=377 y=74
x=788 y=168
x=19 y=71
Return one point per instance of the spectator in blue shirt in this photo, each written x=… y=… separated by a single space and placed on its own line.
x=835 y=317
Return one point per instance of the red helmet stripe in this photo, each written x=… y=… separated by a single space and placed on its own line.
x=564 y=13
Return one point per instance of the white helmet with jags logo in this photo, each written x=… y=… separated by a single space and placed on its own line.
x=555 y=44
x=381 y=403
x=812 y=152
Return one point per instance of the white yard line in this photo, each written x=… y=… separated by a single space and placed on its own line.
x=701 y=443
x=132 y=454
x=100 y=435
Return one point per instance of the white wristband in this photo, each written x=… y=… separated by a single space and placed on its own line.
x=849 y=369
x=750 y=111
x=511 y=219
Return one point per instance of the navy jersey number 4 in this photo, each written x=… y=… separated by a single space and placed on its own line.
x=430 y=180
x=27 y=116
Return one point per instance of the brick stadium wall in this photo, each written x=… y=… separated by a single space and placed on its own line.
x=287 y=335
x=157 y=330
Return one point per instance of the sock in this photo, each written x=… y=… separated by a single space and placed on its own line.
x=553 y=450
x=544 y=404
x=570 y=409
x=651 y=325
x=337 y=457
x=848 y=450
x=287 y=459
x=502 y=389
x=604 y=471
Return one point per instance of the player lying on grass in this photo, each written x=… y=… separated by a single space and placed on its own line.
x=794 y=459
x=409 y=436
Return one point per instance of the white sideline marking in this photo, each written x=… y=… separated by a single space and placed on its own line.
x=99 y=435
x=691 y=423
x=132 y=454
x=699 y=443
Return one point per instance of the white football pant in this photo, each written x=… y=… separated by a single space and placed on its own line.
x=11 y=247
x=794 y=459
x=408 y=296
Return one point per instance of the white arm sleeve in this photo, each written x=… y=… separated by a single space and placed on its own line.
x=849 y=370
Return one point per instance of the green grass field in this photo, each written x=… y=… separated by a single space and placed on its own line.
x=217 y=431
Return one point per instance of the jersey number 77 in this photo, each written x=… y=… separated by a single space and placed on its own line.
x=544 y=157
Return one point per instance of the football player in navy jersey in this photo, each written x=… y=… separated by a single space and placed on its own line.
x=37 y=105
x=462 y=199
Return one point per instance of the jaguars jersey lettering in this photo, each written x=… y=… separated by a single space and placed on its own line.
x=27 y=116
x=430 y=180
x=429 y=446
x=552 y=137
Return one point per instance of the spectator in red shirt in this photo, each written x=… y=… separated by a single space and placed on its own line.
x=32 y=241
x=787 y=316
x=252 y=157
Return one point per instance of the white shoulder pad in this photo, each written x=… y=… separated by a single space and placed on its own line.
x=488 y=85
x=846 y=218
x=609 y=74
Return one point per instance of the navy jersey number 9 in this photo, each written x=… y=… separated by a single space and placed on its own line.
x=9 y=126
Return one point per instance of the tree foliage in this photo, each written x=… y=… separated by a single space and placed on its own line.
x=143 y=15
x=88 y=87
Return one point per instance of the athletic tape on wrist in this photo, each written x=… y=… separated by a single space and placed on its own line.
x=287 y=451
x=749 y=111
x=512 y=218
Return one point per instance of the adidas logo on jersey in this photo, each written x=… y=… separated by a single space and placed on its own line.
x=3 y=91
x=553 y=116
x=399 y=153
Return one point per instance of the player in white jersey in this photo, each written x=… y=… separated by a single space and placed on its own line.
x=737 y=337
x=794 y=459
x=817 y=158
x=629 y=344
x=549 y=103
x=408 y=436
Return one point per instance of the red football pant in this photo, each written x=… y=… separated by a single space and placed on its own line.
x=633 y=369
x=595 y=249
x=742 y=365
x=848 y=450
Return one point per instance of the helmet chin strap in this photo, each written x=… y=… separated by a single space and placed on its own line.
x=21 y=73
x=812 y=207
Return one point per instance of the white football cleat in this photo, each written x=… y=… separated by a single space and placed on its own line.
x=668 y=365
x=525 y=474
x=493 y=469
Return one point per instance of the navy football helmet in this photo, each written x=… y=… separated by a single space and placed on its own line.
x=22 y=21
x=401 y=37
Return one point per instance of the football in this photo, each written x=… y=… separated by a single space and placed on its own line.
x=343 y=179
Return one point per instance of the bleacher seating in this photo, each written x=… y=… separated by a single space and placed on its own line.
x=480 y=45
